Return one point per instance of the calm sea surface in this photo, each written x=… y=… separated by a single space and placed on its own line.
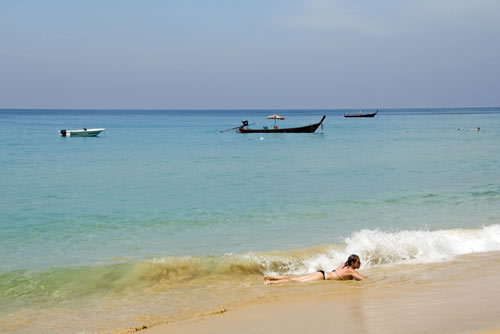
x=164 y=186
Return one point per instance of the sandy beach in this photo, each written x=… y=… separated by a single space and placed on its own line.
x=455 y=297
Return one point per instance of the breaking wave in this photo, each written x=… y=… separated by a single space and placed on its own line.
x=375 y=247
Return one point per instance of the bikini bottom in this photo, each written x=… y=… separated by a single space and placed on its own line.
x=323 y=272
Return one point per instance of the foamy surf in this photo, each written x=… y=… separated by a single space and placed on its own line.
x=376 y=248
x=179 y=287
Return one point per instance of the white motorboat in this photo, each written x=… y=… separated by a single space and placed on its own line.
x=81 y=133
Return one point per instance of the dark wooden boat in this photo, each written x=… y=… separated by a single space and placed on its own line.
x=303 y=129
x=361 y=114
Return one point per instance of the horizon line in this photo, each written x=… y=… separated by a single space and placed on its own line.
x=243 y=109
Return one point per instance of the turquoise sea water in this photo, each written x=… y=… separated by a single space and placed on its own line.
x=166 y=185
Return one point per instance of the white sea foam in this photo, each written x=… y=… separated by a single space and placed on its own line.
x=377 y=247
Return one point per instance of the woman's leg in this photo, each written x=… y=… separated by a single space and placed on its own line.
x=278 y=281
x=317 y=276
x=273 y=278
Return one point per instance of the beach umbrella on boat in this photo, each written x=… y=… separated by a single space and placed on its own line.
x=275 y=117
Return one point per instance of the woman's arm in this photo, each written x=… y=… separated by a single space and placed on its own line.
x=356 y=275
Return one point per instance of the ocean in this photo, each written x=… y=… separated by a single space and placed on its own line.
x=163 y=217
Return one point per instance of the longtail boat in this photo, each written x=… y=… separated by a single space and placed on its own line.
x=361 y=114
x=311 y=128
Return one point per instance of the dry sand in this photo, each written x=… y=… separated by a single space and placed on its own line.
x=466 y=301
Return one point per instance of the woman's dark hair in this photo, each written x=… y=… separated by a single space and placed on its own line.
x=351 y=260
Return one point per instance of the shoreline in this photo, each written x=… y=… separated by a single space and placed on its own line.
x=449 y=303
x=458 y=294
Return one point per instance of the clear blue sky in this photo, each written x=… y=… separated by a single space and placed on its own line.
x=198 y=54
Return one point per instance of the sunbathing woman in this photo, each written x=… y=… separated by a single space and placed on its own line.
x=343 y=272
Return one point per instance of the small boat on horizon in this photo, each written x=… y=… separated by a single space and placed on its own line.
x=361 y=114
x=81 y=133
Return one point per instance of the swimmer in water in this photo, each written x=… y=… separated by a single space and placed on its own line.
x=344 y=272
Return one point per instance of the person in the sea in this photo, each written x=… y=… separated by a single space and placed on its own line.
x=345 y=271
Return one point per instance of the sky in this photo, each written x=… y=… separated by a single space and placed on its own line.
x=249 y=54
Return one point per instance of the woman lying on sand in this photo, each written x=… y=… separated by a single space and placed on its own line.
x=343 y=272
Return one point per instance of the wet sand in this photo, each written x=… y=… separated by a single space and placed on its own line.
x=456 y=297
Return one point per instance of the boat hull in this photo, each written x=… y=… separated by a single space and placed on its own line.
x=303 y=129
x=360 y=115
x=81 y=133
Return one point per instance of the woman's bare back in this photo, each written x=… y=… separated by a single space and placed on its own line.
x=340 y=274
